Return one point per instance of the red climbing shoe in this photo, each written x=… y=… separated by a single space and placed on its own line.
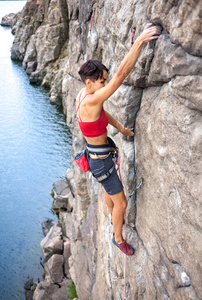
x=126 y=248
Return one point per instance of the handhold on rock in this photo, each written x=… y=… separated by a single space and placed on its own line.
x=156 y=24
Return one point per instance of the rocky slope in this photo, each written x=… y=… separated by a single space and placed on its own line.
x=162 y=99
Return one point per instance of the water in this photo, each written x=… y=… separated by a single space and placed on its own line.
x=35 y=149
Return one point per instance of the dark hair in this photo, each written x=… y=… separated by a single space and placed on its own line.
x=92 y=69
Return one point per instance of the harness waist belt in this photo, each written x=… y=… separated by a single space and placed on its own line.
x=102 y=149
x=99 y=150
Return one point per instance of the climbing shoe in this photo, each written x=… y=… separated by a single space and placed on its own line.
x=126 y=248
x=112 y=223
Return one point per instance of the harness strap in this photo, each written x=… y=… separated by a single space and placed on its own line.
x=106 y=175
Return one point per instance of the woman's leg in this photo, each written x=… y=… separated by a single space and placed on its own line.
x=117 y=205
x=109 y=202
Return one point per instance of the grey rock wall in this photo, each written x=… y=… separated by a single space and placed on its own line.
x=165 y=89
x=162 y=99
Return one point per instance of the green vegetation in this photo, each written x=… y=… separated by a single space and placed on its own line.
x=71 y=290
x=70 y=287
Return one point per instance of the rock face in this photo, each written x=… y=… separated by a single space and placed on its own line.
x=52 y=243
x=47 y=290
x=8 y=20
x=41 y=33
x=162 y=99
x=63 y=198
x=56 y=251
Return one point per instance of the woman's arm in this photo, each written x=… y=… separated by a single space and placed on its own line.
x=126 y=65
x=123 y=130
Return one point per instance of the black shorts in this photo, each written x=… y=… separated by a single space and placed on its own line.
x=100 y=166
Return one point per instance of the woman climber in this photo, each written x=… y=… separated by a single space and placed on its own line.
x=93 y=120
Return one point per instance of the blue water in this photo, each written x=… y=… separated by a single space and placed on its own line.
x=35 y=149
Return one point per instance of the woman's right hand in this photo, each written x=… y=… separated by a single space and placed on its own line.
x=150 y=33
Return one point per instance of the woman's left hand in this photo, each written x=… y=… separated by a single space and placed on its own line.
x=127 y=131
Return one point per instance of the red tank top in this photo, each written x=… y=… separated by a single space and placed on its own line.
x=93 y=129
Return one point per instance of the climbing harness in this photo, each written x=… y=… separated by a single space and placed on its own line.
x=133 y=34
x=107 y=149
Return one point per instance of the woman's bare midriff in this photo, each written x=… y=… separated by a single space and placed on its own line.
x=98 y=140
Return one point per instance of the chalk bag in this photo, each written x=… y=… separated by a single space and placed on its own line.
x=81 y=160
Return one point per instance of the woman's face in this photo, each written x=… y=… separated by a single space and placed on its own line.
x=98 y=84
